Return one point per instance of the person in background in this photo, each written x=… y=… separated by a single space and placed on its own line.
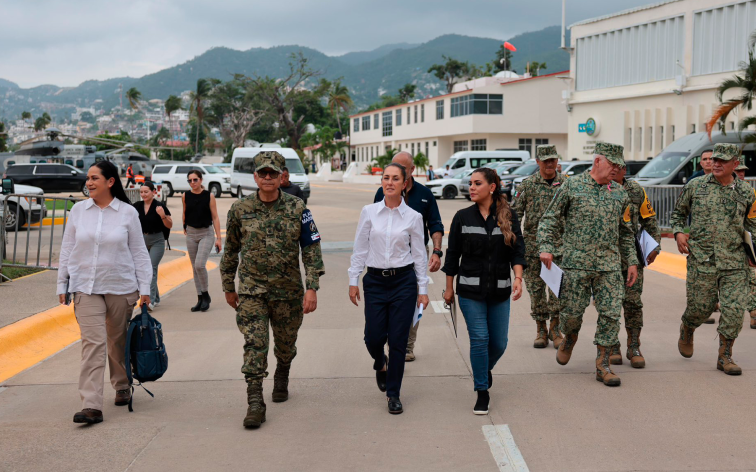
x=288 y=186
x=389 y=241
x=485 y=235
x=130 y=176
x=707 y=163
x=420 y=199
x=445 y=172
x=139 y=179
x=200 y=218
x=105 y=265
x=431 y=174
x=156 y=221
x=740 y=170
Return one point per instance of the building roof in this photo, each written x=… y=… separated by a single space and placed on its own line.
x=438 y=97
x=623 y=12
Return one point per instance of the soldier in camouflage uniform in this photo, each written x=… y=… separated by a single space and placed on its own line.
x=642 y=217
x=268 y=229
x=592 y=214
x=721 y=207
x=533 y=196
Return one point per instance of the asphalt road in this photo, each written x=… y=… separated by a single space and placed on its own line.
x=676 y=414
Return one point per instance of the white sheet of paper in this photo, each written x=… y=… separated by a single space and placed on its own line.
x=647 y=244
x=418 y=315
x=552 y=277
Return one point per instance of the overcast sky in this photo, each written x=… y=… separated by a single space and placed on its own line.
x=66 y=43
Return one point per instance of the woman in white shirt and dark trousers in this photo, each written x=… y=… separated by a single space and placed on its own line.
x=390 y=242
x=104 y=263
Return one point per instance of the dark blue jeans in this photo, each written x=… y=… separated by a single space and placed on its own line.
x=488 y=327
x=389 y=307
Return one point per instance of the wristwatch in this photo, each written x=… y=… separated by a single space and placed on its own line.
x=438 y=252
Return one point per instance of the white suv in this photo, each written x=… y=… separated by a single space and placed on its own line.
x=174 y=178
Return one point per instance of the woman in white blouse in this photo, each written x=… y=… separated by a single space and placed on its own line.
x=390 y=242
x=104 y=263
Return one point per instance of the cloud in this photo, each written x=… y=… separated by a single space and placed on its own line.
x=66 y=43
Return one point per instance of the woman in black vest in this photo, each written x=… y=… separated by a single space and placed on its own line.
x=200 y=218
x=487 y=237
x=156 y=221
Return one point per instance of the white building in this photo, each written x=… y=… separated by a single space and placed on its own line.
x=647 y=76
x=482 y=114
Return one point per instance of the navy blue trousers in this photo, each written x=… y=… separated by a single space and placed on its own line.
x=389 y=308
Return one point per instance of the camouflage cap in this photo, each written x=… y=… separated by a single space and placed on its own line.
x=545 y=152
x=269 y=160
x=614 y=153
x=726 y=152
x=741 y=164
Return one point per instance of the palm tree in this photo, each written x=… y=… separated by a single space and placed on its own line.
x=39 y=124
x=535 y=68
x=26 y=115
x=172 y=104
x=196 y=99
x=745 y=82
x=46 y=118
x=134 y=96
x=338 y=98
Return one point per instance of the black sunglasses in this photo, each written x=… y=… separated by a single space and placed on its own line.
x=267 y=172
x=192 y=180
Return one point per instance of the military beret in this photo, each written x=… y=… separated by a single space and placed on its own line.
x=546 y=151
x=741 y=165
x=269 y=160
x=612 y=152
x=726 y=152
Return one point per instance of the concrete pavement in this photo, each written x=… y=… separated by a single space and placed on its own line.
x=676 y=414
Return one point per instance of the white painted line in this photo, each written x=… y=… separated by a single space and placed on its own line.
x=505 y=452
x=438 y=306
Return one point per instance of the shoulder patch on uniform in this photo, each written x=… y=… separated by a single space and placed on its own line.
x=626 y=216
x=752 y=212
x=646 y=210
x=309 y=233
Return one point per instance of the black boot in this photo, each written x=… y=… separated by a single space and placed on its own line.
x=198 y=305
x=481 y=405
x=205 y=301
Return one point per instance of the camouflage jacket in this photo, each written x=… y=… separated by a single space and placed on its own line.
x=642 y=214
x=719 y=216
x=531 y=200
x=269 y=241
x=596 y=225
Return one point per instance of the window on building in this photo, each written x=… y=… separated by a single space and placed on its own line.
x=422 y=113
x=477 y=104
x=629 y=139
x=460 y=146
x=371 y=152
x=356 y=124
x=650 y=138
x=541 y=142
x=732 y=126
x=525 y=144
x=440 y=110
x=388 y=126
x=639 y=139
x=673 y=133
x=376 y=121
x=478 y=145
x=692 y=128
x=415 y=113
x=398 y=117
x=661 y=137
x=413 y=149
x=409 y=116
x=434 y=143
x=426 y=149
x=365 y=123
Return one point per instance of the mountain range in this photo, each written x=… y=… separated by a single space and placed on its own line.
x=367 y=74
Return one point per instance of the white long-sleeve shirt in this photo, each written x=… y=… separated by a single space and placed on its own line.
x=103 y=251
x=389 y=239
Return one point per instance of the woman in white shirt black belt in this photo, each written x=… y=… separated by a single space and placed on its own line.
x=105 y=264
x=390 y=242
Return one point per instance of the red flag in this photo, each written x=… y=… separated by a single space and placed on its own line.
x=508 y=45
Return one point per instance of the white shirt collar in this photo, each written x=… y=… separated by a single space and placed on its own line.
x=115 y=204
x=402 y=207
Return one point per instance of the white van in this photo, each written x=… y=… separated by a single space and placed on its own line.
x=473 y=159
x=243 y=170
x=174 y=178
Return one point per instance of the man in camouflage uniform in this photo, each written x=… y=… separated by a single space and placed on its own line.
x=721 y=207
x=590 y=213
x=268 y=229
x=533 y=196
x=642 y=217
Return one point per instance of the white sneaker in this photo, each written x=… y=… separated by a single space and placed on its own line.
x=155 y=305
x=150 y=307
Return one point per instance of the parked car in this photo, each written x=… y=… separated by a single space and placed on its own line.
x=173 y=178
x=243 y=169
x=448 y=188
x=501 y=168
x=569 y=168
x=633 y=167
x=473 y=159
x=23 y=209
x=525 y=170
x=51 y=178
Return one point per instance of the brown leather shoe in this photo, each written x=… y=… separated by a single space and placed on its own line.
x=555 y=336
x=615 y=356
x=753 y=319
x=685 y=343
x=634 y=354
x=88 y=416
x=542 y=337
x=724 y=361
x=603 y=369
x=122 y=397
x=564 y=352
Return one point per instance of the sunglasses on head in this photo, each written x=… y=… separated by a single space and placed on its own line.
x=192 y=180
x=263 y=173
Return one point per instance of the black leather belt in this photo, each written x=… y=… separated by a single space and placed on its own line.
x=390 y=272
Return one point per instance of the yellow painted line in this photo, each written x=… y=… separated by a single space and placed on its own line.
x=34 y=339
x=47 y=222
x=30 y=275
x=674 y=265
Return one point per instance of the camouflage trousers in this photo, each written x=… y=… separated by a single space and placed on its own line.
x=253 y=316
x=608 y=291
x=544 y=305
x=705 y=284
x=752 y=297
x=632 y=304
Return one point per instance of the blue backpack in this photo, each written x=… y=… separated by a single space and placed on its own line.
x=146 y=359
